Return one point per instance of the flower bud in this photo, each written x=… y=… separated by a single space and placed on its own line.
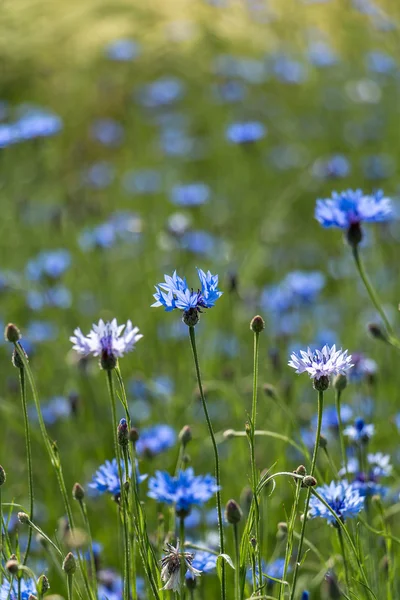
x=123 y=433
x=23 y=518
x=309 y=481
x=42 y=585
x=12 y=566
x=133 y=435
x=12 y=333
x=78 y=493
x=257 y=324
x=233 y=512
x=282 y=531
x=323 y=442
x=301 y=470
x=2 y=476
x=185 y=435
x=16 y=359
x=69 y=564
x=340 y=382
x=321 y=384
x=191 y=317
x=378 y=332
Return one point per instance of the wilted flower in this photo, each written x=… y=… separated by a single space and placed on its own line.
x=171 y=567
x=344 y=498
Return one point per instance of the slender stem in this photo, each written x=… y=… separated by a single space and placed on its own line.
x=308 y=495
x=370 y=289
x=19 y=588
x=28 y=456
x=216 y=458
x=91 y=552
x=342 y=548
x=290 y=536
x=69 y=585
x=237 y=561
x=343 y=448
x=252 y=455
x=182 y=547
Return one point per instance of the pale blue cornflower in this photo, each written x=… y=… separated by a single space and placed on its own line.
x=344 y=498
x=175 y=293
x=106 y=479
x=368 y=482
x=9 y=591
x=183 y=491
x=321 y=363
x=107 y=340
x=246 y=132
x=352 y=207
x=203 y=561
x=154 y=440
x=360 y=432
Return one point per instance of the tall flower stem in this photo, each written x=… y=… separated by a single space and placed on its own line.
x=183 y=566
x=85 y=517
x=370 y=289
x=290 y=536
x=345 y=565
x=237 y=560
x=216 y=458
x=308 y=495
x=338 y=397
x=28 y=455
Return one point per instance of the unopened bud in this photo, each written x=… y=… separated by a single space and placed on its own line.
x=12 y=566
x=133 y=435
x=12 y=333
x=233 y=512
x=2 y=476
x=340 y=382
x=309 y=481
x=78 y=493
x=186 y=459
x=270 y=391
x=69 y=564
x=185 y=435
x=301 y=470
x=323 y=442
x=378 y=332
x=354 y=234
x=257 y=324
x=42 y=585
x=123 y=433
x=23 y=518
x=282 y=531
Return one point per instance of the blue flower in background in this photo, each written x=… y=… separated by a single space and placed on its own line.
x=364 y=368
x=321 y=363
x=246 y=132
x=106 y=478
x=199 y=242
x=36 y=122
x=99 y=175
x=123 y=50
x=342 y=497
x=378 y=166
x=368 y=483
x=380 y=62
x=320 y=54
x=183 y=491
x=360 y=432
x=108 y=132
x=193 y=194
x=273 y=569
x=155 y=440
x=49 y=263
x=288 y=70
x=305 y=595
x=353 y=207
x=107 y=340
x=330 y=417
x=335 y=167
x=174 y=293
x=163 y=92
x=146 y=181
x=111 y=585
x=59 y=407
x=203 y=561
x=296 y=289
x=10 y=592
x=41 y=331
x=58 y=297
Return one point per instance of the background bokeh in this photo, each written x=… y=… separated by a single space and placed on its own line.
x=108 y=111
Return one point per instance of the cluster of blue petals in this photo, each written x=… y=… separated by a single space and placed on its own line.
x=175 y=293
x=183 y=491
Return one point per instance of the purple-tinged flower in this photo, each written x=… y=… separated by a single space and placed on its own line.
x=246 y=132
x=107 y=340
x=155 y=440
x=111 y=585
x=182 y=491
x=344 y=498
x=171 y=567
x=360 y=432
x=106 y=478
x=321 y=363
x=351 y=208
x=9 y=591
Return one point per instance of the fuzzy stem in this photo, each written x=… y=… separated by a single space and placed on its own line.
x=216 y=458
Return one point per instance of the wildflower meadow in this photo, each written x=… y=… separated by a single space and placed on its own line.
x=200 y=208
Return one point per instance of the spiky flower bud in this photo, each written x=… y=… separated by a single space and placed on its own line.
x=257 y=324
x=309 y=481
x=78 y=493
x=42 y=585
x=233 y=512
x=321 y=384
x=69 y=564
x=191 y=317
x=133 y=435
x=2 y=476
x=23 y=518
x=123 y=433
x=340 y=382
x=185 y=435
x=12 y=333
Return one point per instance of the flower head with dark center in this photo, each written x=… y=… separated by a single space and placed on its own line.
x=183 y=491
x=321 y=363
x=107 y=340
x=171 y=567
x=353 y=207
x=344 y=498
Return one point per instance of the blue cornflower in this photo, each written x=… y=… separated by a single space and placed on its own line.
x=57 y=296
x=57 y=408
x=321 y=54
x=351 y=208
x=335 y=167
x=99 y=175
x=192 y=194
x=163 y=92
x=146 y=181
x=360 y=432
x=344 y=498
x=321 y=363
x=183 y=491
x=155 y=439
x=107 y=340
x=273 y=569
x=123 y=50
x=10 y=592
x=36 y=122
x=368 y=483
x=246 y=132
x=363 y=367
x=330 y=417
x=203 y=561
x=297 y=288
x=108 y=132
x=174 y=293
x=380 y=62
x=52 y=264
x=106 y=478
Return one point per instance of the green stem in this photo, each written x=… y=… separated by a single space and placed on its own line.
x=28 y=456
x=182 y=547
x=370 y=289
x=307 y=502
x=216 y=458
x=69 y=585
x=91 y=553
x=338 y=397
x=290 y=536
x=19 y=587
x=345 y=565
x=237 y=561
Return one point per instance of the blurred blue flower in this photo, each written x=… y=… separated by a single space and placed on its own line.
x=192 y=194
x=229 y=91
x=360 y=432
x=49 y=263
x=36 y=122
x=163 y=92
x=320 y=54
x=342 y=497
x=57 y=408
x=175 y=141
x=296 y=289
x=108 y=132
x=378 y=166
x=123 y=50
x=58 y=296
x=146 y=181
x=288 y=70
x=107 y=340
x=368 y=483
x=380 y=62
x=330 y=417
x=100 y=175
x=335 y=167
x=41 y=331
x=106 y=478
x=9 y=591
x=353 y=207
x=273 y=569
x=203 y=561
x=363 y=367
x=288 y=156
x=321 y=363
x=154 y=440
x=246 y=132
x=199 y=242
x=102 y=236
x=175 y=293
x=183 y=491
